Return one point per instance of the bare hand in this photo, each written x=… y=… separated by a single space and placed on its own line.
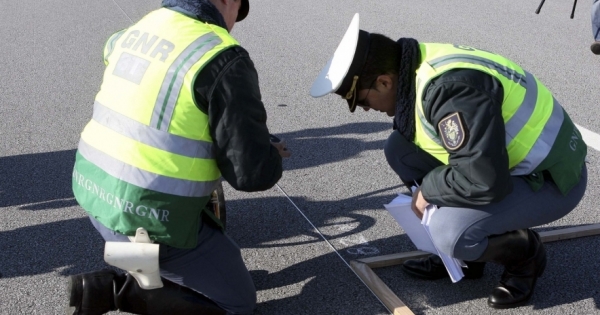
x=418 y=203
x=282 y=148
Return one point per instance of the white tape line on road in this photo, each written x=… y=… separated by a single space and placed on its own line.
x=591 y=138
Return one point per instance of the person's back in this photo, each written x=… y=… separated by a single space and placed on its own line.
x=179 y=107
x=148 y=146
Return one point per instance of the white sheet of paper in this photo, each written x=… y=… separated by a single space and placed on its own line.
x=400 y=210
x=418 y=232
x=453 y=265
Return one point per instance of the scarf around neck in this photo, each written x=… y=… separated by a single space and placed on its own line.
x=410 y=58
x=203 y=10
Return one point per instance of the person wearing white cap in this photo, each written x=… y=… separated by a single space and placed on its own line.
x=484 y=140
x=179 y=110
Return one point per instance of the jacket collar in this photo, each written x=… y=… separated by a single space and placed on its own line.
x=202 y=10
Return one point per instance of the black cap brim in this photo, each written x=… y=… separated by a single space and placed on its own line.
x=243 y=11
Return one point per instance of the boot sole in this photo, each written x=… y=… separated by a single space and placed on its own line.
x=517 y=304
x=507 y=306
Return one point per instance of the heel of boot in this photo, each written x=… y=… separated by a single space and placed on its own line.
x=474 y=270
x=91 y=293
x=74 y=290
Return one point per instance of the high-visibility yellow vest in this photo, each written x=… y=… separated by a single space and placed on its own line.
x=146 y=158
x=536 y=125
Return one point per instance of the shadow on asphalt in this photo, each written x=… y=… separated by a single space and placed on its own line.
x=39 y=181
x=71 y=246
x=319 y=146
x=567 y=278
x=570 y=277
x=326 y=283
x=42 y=181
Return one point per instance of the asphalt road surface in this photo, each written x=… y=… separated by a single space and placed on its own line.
x=50 y=70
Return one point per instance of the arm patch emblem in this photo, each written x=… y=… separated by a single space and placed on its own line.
x=452 y=131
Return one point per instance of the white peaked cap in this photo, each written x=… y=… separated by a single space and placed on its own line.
x=334 y=72
x=341 y=73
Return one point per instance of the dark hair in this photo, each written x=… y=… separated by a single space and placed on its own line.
x=383 y=58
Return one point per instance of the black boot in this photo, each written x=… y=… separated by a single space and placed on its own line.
x=99 y=292
x=595 y=47
x=523 y=255
x=170 y=299
x=432 y=268
x=91 y=293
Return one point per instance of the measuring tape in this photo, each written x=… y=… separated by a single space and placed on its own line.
x=335 y=250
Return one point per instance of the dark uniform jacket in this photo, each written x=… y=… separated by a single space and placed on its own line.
x=477 y=173
x=227 y=90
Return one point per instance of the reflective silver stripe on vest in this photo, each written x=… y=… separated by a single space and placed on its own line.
x=147 y=135
x=503 y=70
x=145 y=179
x=173 y=82
x=110 y=46
x=428 y=128
x=542 y=146
x=520 y=118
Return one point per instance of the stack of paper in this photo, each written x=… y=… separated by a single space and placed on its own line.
x=418 y=232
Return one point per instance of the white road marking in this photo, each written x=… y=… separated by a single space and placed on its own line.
x=591 y=138
x=356 y=244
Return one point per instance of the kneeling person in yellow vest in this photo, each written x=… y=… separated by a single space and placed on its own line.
x=179 y=109
x=482 y=138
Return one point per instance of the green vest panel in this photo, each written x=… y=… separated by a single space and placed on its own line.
x=146 y=157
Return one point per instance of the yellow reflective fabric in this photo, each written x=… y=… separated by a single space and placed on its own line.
x=151 y=67
x=425 y=134
x=149 y=158
x=190 y=114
